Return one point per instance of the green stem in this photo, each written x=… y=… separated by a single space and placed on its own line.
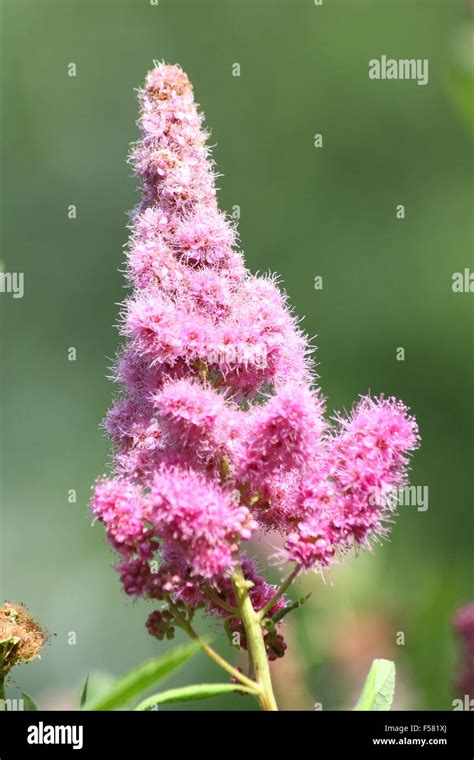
x=211 y=594
x=187 y=627
x=286 y=583
x=255 y=642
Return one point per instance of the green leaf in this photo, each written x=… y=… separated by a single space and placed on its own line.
x=141 y=678
x=282 y=613
x=84 y=693
x=189 y=694
x=29 y=705
x=379 y=687
x=96 y=686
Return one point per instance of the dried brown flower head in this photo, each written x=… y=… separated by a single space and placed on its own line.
x=21 y=638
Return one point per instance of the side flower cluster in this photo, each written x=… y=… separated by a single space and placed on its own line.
x=219 y=431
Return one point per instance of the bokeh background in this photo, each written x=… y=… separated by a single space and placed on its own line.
x=304 y=212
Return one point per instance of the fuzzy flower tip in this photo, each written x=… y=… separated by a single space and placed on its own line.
x=218 y=428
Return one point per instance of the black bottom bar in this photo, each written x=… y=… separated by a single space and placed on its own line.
x=126 y=734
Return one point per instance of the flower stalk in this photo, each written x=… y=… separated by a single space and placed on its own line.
x=251 y=686
x=255 y=642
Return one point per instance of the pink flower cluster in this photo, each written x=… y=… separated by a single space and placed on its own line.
x=219 y=431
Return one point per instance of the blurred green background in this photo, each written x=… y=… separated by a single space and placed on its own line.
x=304 y=212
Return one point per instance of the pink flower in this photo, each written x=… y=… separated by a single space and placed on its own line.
x=195 y=418
x=120 y=506
x=199 y=521
x=153 y=262
x=218 y=428
x=210 y=292
x=281 y=435
x=205 y=238
x=372 y=446
x=345 y=499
